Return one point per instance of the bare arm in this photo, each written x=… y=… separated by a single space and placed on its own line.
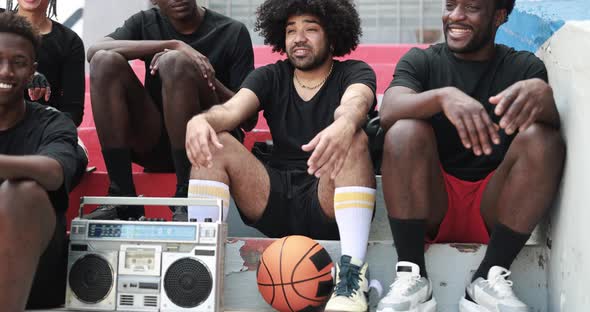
x=232 y=113
x=405 y=103
x=331 y=145
x=46 y=171
x=524 y=103
x=133 y=49
x=201 y=130
x=473 y=124
x=355 y=104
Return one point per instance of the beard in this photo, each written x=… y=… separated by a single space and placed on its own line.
x=311 y=62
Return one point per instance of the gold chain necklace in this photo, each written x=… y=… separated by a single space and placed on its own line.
x=317 y=85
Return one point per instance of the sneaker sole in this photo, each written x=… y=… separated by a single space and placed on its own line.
x=428 y=306
x=470 y=306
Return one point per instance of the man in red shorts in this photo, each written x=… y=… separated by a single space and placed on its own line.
x=473 y=153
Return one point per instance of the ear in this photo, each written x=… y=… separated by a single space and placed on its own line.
x=154 y=2
x=500 y=17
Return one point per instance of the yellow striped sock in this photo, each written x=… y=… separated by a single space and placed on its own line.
x=208 y=189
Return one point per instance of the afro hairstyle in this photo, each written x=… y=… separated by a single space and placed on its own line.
x=338 y=18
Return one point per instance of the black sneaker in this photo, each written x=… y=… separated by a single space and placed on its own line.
x=179 y=213
x=104 y=212
x=116 y=212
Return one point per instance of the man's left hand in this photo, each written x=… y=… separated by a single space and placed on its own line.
x=330 y=148
x=520 y=104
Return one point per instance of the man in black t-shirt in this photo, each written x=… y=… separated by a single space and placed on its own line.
x=473 y=154
x=194 y=58
x=37 y=164
x=318 y=180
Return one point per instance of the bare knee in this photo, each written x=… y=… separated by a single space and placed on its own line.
x=106 y=65
x=20 y=201
x=175 y=65
x=360 y=145
x=408 y=138
x=542 y=145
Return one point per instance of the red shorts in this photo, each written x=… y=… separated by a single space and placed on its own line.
x=463 y=222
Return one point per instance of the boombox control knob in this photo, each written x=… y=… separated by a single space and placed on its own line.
x=208 y=220
x=193 y=220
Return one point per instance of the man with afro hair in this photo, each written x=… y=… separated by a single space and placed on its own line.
x=318 y=180
x=473 y=154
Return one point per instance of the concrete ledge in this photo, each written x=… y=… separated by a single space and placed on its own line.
x=450 y=267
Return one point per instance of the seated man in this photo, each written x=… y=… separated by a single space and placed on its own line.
x=319 y=180
x=194 y=58
x=37 y=164
x=473 y=153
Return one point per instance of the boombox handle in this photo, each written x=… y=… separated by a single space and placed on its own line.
x=150 y=201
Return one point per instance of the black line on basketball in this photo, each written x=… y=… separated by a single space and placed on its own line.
x=271 y=279
x=292 y=283
x=281 y=274
x=301 y=260
x=298 y=282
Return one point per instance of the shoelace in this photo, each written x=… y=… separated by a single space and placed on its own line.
x=404 y=284
x=349 y=281
x=501 y=284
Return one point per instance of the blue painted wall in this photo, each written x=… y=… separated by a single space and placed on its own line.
x=534 y=21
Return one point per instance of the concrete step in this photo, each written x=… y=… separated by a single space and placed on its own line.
x=449 y=266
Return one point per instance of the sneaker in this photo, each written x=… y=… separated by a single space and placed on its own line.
x=114 y=212
x=179 y=213
x=103 y=212
x=352 y=287
x=492 y=295
x=409 y=292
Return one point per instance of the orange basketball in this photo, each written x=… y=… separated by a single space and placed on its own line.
x=294 y=274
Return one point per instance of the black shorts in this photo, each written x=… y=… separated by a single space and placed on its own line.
x=49 y=285
x=294 y=208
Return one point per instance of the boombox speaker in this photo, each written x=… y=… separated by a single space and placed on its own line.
x=146 y=266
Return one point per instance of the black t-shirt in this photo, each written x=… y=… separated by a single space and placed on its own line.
x=226 y=42
x=437 y=67
x=292 y=121
x=61 y=60
x=45 y=131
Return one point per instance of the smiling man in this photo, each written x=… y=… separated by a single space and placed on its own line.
x=37 y=165
x=194 y=58
x=473 y=154
x=319 y=179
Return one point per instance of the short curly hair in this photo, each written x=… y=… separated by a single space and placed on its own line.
x=508 y=5
x=339 y=18
x=18 y=25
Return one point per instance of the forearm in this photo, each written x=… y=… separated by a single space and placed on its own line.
x=44 y=170
x=354 y=108
x=221 y=119
x=398 y=106
x=132 y=49
x=549 y=114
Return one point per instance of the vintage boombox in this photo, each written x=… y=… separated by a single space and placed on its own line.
x=146 y=265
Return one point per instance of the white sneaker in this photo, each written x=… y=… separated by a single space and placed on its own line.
x=409 y=292
x=492 y=295
x=351 y=289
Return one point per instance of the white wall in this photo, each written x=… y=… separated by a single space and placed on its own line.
x=566 y=56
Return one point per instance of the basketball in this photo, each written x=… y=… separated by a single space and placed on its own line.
x=294 y=274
